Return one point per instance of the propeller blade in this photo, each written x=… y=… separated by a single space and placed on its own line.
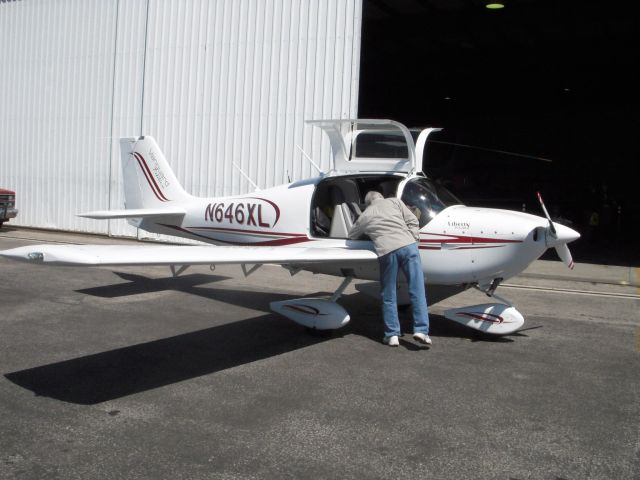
x=559 y=239
x=565 y=255
x=546 y=214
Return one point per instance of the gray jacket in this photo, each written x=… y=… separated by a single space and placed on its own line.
x=388 y=223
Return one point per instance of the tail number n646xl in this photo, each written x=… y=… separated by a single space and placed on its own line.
x=240 y=213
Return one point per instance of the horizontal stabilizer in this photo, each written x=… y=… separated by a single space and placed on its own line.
x=121 y=255
x=134 y=213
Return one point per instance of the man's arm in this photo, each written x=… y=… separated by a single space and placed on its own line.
x=411 y=220
x=357 y=230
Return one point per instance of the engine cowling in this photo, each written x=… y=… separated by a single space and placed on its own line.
x=318 y=313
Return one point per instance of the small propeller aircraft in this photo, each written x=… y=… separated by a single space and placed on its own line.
x=304 y=225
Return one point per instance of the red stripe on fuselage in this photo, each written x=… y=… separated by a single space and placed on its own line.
x=293 y=238
x=464 y=239
x=461 y=247
x=251 y=232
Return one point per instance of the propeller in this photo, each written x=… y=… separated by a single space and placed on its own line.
x=565 y=255
x=558 y=236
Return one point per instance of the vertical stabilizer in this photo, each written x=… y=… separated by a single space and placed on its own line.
x=149 y=181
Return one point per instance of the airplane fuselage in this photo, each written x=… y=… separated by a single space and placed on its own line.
x=460 y=245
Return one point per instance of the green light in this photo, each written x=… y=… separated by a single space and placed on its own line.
x=494 y=6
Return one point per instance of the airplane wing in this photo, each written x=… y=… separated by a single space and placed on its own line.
x=112 y=255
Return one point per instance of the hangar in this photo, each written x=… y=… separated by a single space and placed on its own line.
x=546 y=79
x=536 y=95
x=217 y=83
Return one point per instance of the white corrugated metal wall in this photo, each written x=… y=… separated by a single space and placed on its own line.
x=56 y=82
x=216 y=82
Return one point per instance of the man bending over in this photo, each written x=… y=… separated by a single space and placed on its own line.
x=394 y=232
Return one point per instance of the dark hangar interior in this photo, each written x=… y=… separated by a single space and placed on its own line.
x=539 y=95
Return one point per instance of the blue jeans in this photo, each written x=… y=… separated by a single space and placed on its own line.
x=407 y=258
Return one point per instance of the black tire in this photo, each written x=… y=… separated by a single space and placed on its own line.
x=314 y=332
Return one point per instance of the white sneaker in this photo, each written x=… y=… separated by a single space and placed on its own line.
x=392 y=341
x=422 y=338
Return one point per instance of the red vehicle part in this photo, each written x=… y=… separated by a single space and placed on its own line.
x=7 y=205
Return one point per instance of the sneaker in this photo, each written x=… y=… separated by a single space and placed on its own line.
x=422 y=338
x=392 y=341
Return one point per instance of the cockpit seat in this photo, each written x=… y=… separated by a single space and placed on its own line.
x=345 y=199
x=322 y=223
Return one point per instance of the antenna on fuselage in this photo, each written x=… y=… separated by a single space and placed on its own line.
x=246 y=177
x=310 y=160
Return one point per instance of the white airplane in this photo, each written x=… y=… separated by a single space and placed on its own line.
x=303 y=225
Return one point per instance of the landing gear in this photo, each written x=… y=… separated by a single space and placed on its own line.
x=488 y=318
x=343 y=286
x=315 y=333
x=494 y=285
x=316 y=313
x=491 y=290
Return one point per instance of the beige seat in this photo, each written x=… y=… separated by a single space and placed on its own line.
x=345 y=198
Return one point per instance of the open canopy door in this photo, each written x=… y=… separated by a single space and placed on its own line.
x=369 y=145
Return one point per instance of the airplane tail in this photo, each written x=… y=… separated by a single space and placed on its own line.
x=149 y=181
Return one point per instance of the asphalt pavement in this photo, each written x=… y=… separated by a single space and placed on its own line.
x=111 y=373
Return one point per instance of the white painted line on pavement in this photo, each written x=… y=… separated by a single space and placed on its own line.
x=574 y=292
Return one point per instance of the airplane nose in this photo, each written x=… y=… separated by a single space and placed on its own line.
x=563 y=235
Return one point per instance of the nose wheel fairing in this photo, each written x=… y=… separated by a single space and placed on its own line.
x=492 y=318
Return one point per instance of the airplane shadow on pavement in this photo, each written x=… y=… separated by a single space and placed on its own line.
x=113 y=374
x=137 y=368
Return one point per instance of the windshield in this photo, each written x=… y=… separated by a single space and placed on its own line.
x=426 y=199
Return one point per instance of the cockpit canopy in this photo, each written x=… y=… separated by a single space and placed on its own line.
x=373 y=155
x=426 y=198
x=373 y=146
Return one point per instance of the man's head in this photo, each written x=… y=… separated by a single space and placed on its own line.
x=371 y=196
